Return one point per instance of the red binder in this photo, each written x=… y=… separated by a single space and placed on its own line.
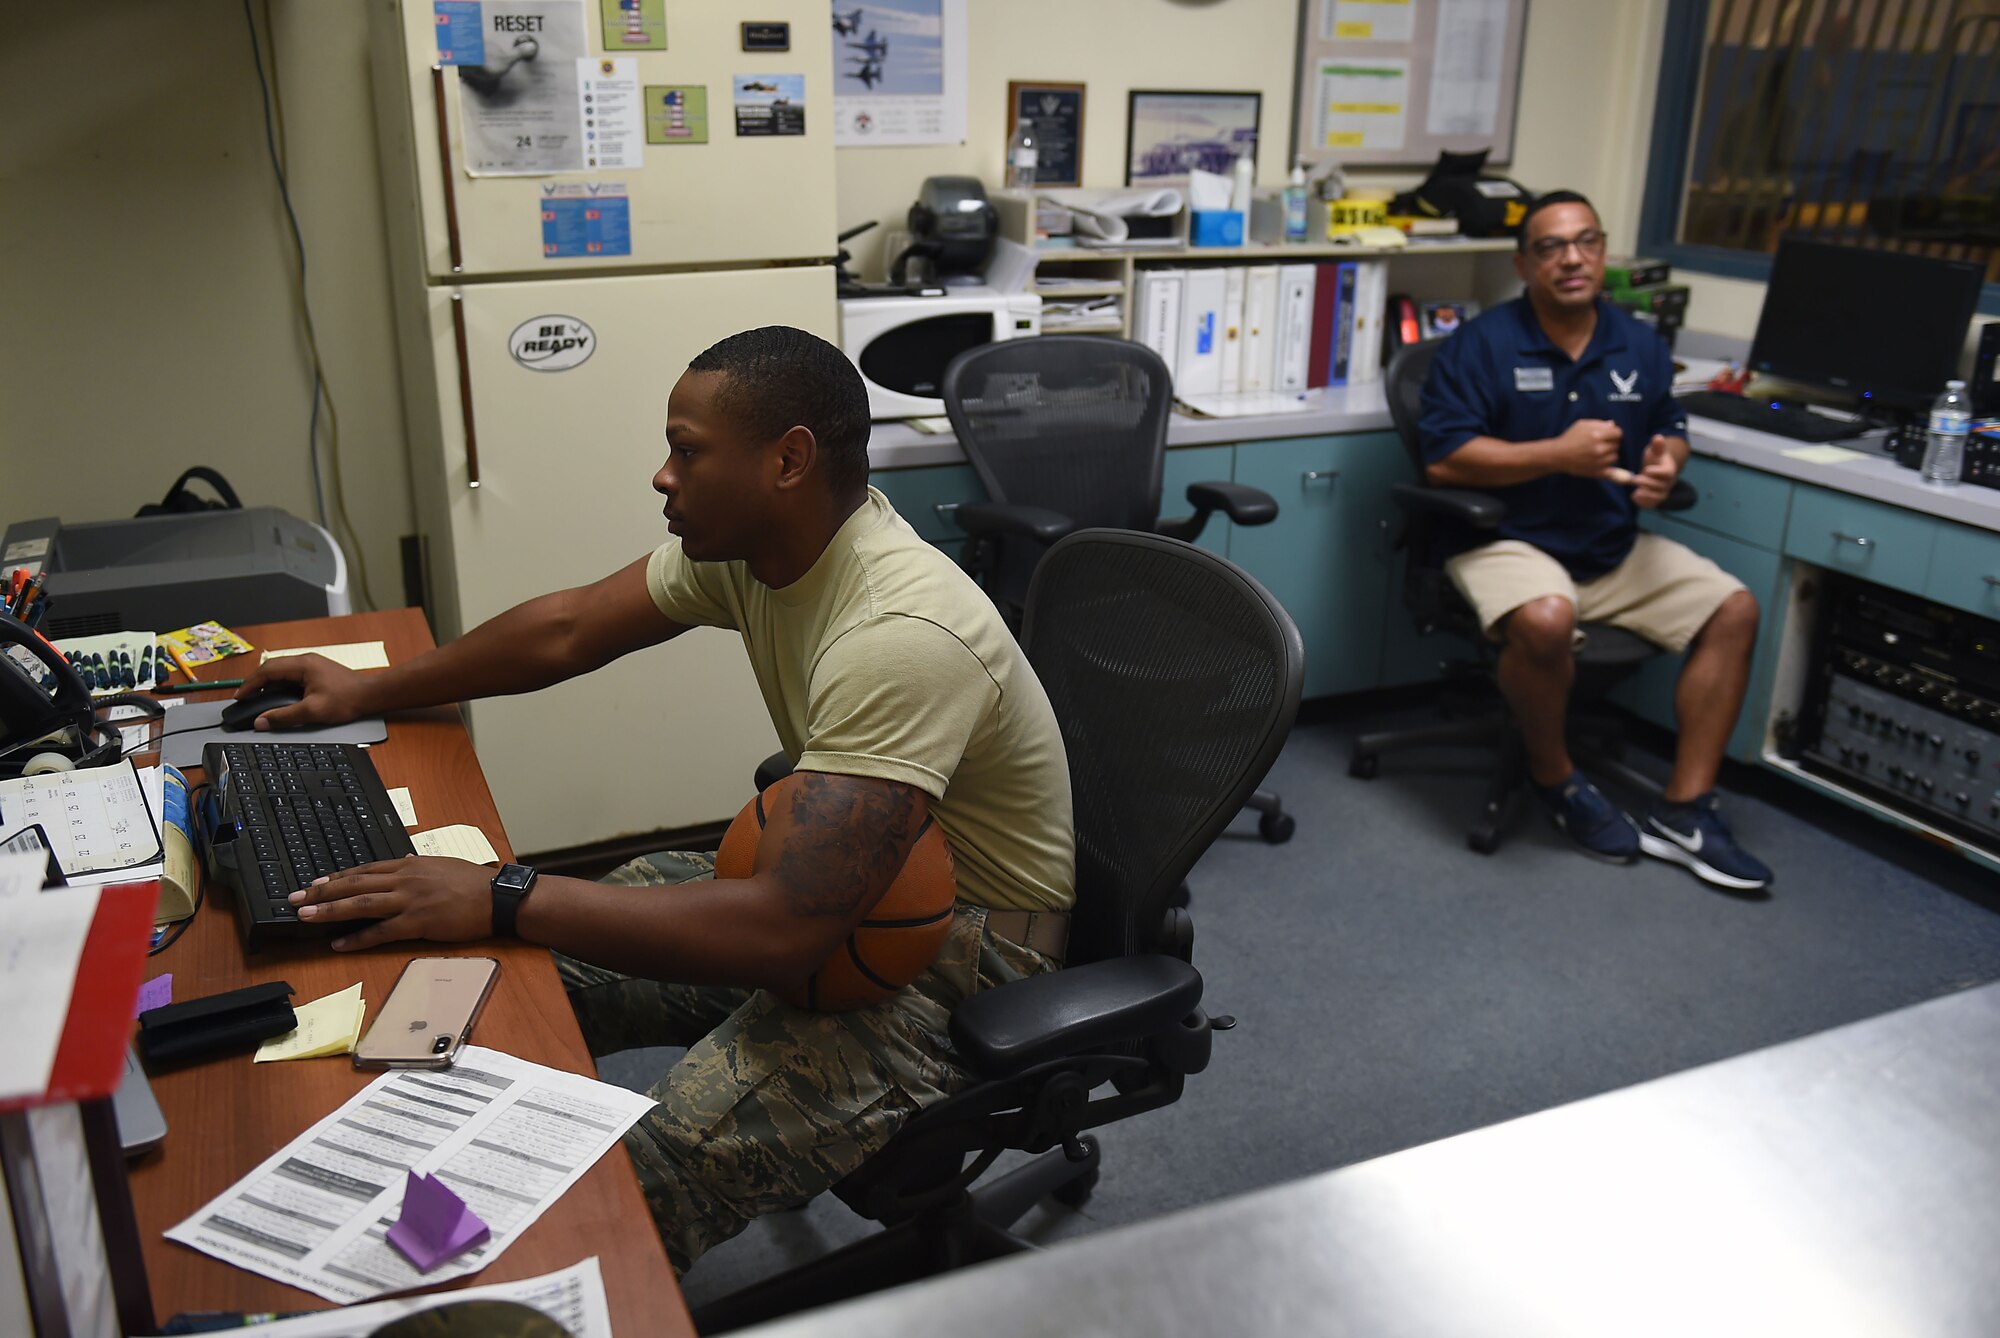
x=1325 y=286
x=90 y=1057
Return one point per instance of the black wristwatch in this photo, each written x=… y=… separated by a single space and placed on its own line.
x=510 y=888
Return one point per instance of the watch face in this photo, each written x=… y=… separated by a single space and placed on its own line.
x=514 y=877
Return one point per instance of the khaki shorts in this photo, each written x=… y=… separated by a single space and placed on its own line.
x=1662 y=591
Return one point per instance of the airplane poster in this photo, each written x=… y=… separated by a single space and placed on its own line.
x=899 y=72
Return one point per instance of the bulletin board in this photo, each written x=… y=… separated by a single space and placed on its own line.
x=1392 y=82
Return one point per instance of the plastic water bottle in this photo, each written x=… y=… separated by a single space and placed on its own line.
x=1022 y=156
x=1295 y=204
x=1944 y=445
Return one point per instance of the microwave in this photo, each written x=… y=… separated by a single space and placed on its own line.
x=903 y=344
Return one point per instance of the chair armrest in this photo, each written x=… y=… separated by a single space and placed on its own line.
x=1005 y=519
x=1075 y=1010
x=1480 y=510
x=1680 y=497
x=1239 y=501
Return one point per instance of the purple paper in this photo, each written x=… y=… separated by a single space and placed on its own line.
x=435 y=1225
x=155 y=993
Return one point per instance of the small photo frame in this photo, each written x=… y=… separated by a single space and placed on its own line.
x=1168 y=132
x=1056 y=111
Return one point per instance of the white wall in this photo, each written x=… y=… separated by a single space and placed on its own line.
x=152 y=316
x=150 y=290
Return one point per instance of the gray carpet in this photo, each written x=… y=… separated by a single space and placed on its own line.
x=1393 y=988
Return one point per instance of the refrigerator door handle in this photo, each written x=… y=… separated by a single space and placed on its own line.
x=465 y=390
x=444 y=166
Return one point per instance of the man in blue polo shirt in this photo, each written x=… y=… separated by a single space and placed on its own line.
x=1562 y=406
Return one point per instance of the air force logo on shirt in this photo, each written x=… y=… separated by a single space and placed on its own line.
x=1625 y=389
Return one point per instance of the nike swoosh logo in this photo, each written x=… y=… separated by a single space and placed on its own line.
x=1691 y=845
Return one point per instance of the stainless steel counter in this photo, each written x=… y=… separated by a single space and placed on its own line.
x=1845 y=1183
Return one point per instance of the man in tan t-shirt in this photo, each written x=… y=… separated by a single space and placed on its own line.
x=897 y=693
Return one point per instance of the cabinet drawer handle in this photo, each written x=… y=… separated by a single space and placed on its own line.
x=944 y=509
x=1854 y=539
x=1318 y=476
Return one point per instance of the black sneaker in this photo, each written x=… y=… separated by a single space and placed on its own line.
x=1695 y=835
x=1598 y=826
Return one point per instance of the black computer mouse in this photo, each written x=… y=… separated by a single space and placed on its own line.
x=240 y=715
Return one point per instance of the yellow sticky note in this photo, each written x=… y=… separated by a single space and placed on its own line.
x=406 y=808
x=353 y=654
x=459 y=841
x=1823 y=455
x=328 y=1026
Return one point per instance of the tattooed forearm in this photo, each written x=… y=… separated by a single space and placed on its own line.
x=846 y=840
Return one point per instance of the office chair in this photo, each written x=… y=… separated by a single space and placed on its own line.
x=1126 y=631
x=1068 y=432
x=1607 y=655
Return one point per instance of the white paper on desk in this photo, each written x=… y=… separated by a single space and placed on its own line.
x=406 y=808
x=134 y=738
x=573 y=1298
x=1247 y=403
x=459 y=841
x=1100 y=214
x=353 y=654
x=38 y=957
x=509 y=1137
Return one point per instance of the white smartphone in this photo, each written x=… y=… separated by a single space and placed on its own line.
x=428 y=1015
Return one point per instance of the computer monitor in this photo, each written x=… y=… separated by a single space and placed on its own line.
x=1883 y=327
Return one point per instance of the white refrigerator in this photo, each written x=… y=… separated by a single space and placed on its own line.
x=546 y=302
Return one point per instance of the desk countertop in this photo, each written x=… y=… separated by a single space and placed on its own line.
x=1845 y=1183
x=1333 y=411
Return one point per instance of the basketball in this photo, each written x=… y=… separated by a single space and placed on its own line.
x=902 y=933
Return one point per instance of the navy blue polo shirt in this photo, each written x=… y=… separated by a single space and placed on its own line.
x=1501 y=376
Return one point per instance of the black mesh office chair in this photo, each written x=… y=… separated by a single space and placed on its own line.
x=1068 y=432
x=1607 y=655
x=1126 y=631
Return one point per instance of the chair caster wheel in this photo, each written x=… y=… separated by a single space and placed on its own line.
x=1276 y=828
x=1364 y=766
x=1075 y=1193
x=1485 y=840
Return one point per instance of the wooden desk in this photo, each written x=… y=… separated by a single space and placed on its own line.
x=226 y=1116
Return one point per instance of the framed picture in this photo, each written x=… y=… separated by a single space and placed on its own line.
x=1168 y=133
x=1056 y=111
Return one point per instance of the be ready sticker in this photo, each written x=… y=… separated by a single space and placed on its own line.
x=552 y=343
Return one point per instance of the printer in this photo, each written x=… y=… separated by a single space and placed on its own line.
x=156 y=573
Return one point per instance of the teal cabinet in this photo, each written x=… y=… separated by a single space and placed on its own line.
x=1327 y=557
x=1965 y=569
x=917 y=495
x=1841 y=532
x=1650 y=690
x=1198 y=464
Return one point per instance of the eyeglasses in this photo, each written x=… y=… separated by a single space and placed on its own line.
x=1589 y=244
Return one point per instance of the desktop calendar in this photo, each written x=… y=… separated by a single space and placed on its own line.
x=96 y=819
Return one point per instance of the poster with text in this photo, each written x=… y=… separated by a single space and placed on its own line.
x=899 y=72
x=520 y=105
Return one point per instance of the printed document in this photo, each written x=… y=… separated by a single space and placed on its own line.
x=99 y=821
x=573 y=1298
x=509 y=1137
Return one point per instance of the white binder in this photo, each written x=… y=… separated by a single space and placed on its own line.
x=1260 y=328
x=1295 y=310
x=1233 y=282
x=1158 y=313
x=1198 y=370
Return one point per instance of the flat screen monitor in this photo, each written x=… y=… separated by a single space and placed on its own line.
x=1883 y=327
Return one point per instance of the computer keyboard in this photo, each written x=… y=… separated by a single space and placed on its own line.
x=1786 y=420
x=287 y=813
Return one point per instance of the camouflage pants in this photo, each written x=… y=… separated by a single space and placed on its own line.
x=773 y=1104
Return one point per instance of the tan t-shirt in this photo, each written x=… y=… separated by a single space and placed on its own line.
x=885 y=660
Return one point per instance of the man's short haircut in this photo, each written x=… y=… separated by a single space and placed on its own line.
x=1543 y=202
x=777 y=378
